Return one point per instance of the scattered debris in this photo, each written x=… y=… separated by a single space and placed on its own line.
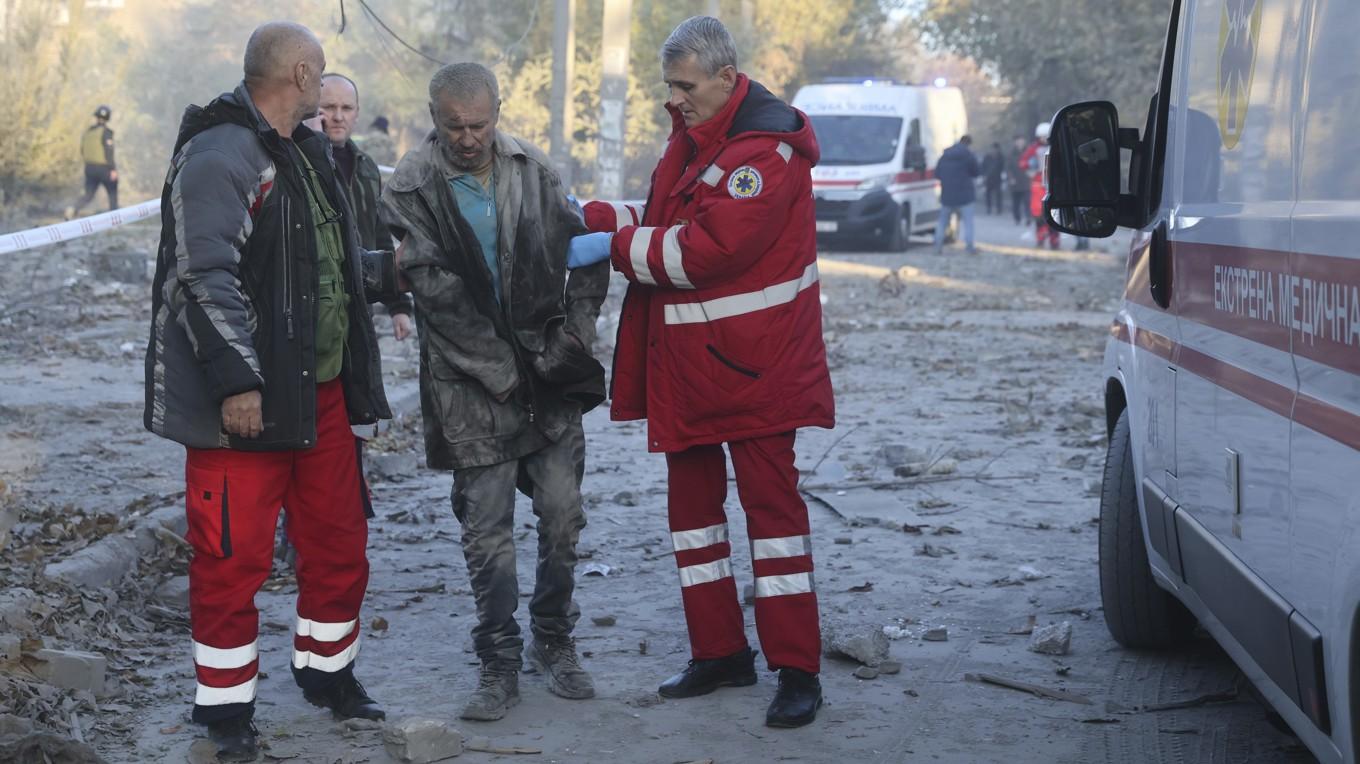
x=646 y=700
x=1062 y=670
x=1053 y=639
x=1033 y=689
x=895 y=632
x=946 y=530
x=1031 y=573
x=1225 y=696
x=866 y=672
x=69 y=669
x=869 y=646
x=911 y=692
x=642 y=647
x=420 y=741
x=867 y=586
x=748 y=594
x=889 y=667
x=933 y=503
x=1027 y=629
x=45 y=747
x=933 y=550
x=936 y=634
x=596 y=569
x=356 y=724
x=378 y=624
x=174 y=593
x=604 y=620
x=918 y=469
x=514 y=750
x=844 y=540
x=625 y=499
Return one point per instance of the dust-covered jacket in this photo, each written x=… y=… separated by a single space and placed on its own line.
x=236 y=287
x=473 y=347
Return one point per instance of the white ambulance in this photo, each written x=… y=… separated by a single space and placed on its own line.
x=880 y=141
x=1232 y=374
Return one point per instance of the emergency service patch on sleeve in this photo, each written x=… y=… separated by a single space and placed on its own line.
x=745 y=182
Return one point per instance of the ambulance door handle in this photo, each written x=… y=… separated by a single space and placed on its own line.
x=1159 y=266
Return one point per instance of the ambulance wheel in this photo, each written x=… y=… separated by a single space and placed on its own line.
x=1138 y=612
x=899 y=238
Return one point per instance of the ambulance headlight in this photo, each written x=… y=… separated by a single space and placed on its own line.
x=874 y=183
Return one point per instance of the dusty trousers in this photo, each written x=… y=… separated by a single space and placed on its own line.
x=484 y=503
x=233 y=500
x=781 y=551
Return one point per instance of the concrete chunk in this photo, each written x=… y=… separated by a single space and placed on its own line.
x=1053 y=639
x=868 y=645
x=103 y=563
x=420 y=741
x=71 y=669
x=174 y=592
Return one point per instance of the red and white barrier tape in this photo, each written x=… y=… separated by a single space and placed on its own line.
x=107 y=221
x=74 y=229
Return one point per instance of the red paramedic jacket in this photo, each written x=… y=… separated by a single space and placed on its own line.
x=720 y=337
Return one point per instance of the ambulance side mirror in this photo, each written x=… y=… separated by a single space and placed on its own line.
x=1082 y=172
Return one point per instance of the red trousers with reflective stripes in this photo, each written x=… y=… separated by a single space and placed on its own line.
x=233 y=500
x=781 y=551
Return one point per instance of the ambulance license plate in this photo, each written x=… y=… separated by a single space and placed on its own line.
x=826 y=226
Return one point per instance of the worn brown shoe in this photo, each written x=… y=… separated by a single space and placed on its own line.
x=497 y=692
x=556 y=659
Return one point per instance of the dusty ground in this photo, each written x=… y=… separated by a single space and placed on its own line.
x=991 y=362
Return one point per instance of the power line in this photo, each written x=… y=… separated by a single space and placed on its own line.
x=397 y=37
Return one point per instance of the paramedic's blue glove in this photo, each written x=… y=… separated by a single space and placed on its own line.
x=576 y=205
x=589 y=249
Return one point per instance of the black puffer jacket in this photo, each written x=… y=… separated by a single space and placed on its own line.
x=234 y=298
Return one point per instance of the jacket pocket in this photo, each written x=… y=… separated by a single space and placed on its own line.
x=733 y=365
x=207 y=501
x=448 y=388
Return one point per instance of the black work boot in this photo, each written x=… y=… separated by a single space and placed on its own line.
x=236 y=738
x=347 y=699
x=703 y=677
x=796 y=701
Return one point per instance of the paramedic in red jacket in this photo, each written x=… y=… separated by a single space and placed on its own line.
x=720 y=341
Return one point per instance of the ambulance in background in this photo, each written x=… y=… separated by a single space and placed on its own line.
x=1232 y=370
x=880 y=141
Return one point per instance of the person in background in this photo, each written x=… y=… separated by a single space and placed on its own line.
x=993 y=170
x=1032 y=162
x=377 y=142
x=360 y=176
x=1017 y=182
x=96 y=149
x=957 y=168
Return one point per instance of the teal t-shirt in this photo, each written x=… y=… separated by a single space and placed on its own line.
x=478 y=205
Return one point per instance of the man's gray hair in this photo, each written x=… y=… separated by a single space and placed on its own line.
x=275 y=47
x=463 y=82
x=705 y=38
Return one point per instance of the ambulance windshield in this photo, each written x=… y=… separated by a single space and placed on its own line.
x=851 y=140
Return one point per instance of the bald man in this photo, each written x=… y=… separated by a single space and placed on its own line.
x=262 y=355
x=360 y=176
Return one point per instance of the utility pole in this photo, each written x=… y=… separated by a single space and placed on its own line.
x=618 y=23
x=562 y=102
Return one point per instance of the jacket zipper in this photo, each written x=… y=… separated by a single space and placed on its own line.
x=732 y=366
x=287 y=269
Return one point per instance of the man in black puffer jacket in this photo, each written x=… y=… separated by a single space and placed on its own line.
x=261 y=356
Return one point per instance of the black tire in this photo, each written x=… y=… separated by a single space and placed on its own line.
x=899 y=238
x=1138 y=612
